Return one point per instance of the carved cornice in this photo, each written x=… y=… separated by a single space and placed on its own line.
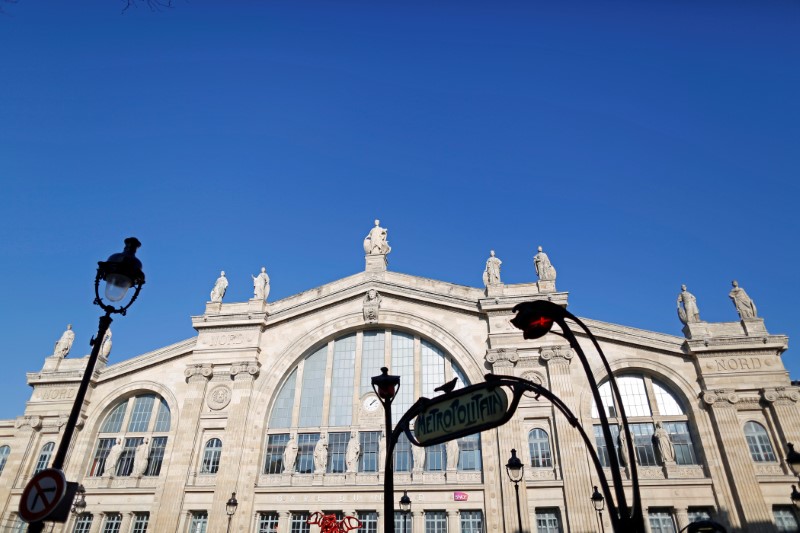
x=720 y=397
x=781 y=395
x=556 y=355
x=195 y=373
x=242 y=371
x=502 y=356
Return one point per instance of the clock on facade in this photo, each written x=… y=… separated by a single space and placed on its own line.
x=370 y=403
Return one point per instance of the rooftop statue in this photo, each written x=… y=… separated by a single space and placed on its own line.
x=105 y=348
x=375 y=243
x=491 y=276
x=544 y=269
x=64 y=344
x=220 y=286
x=744 y=305
x=261 y=285
x=689 y=313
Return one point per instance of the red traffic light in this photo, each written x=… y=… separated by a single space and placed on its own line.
x=536 y=318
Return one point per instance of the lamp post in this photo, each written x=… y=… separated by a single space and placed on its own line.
x=120 y=272
x=599 y=504
x=405 y=506
x=230 y=508
x=386 y=386
x=515 y=470
x=536 y=319
x=79 y=504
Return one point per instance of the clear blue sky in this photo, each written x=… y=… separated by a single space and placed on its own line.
x=643 y=144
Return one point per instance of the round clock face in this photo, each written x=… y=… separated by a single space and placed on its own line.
x=370 y=403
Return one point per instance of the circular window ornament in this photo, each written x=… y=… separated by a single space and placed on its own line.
x=219 y=398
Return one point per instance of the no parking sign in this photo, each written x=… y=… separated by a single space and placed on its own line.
x=42 y=495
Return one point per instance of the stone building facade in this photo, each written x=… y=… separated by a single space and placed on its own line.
x=272 y=401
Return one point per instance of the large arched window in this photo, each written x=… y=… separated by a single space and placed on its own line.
x=211 y=455
x=539 y=447
x=758 y=442
x=329 y=392
x=647 y=402
x=142 y=420
x=43 y=461
x=4 y=451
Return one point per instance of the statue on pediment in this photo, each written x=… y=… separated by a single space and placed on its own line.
x=64 y=344
x=744 y=304
x=491 y=275
x=376 y=243
x=220 y=286
x=544 y=268
x=261 y=285
x=372 y=304
x=689 y=313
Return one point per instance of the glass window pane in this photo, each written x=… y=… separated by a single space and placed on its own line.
x=4 y=451
x=435 y=522
x=267 y=522
x=370 y=447
x=372 y=358
x=305 y=452
x=282 y=411
x=112 y=523
x=337 y=450
x=402 y=454
x=469 y=452
x=602 y=449
x=403 y=366
x=100 y=454
x=299 y=524
x=667 y=403
x=163 y=417
x=141 y=413
x=661 y=522
x=697 y=514
x=539 y=447
x=140 y=522
x=681 y=442
x=156 y=456
x=548 y=520
x=462 y=377
x=607 y=400
x=125 y=463
x=634 y=397
x=435 y=458
x=785 y=519
x=369 y=522
x=643 y=443
x=311 y=396
x=758 y=442
x=273 y=464
x=211 y=456
x=432 y=369
x=471 y=522
x=113 y=422
x=83 y=524
x=43 y=460
x=199 y=523
x=344 y=364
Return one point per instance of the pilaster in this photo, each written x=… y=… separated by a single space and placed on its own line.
x=783 y=402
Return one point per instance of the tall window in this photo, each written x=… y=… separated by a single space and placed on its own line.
x=44 y=457
x=132 y=420
x=400 y=521
x=305 y=452
x=20 y=526
x=273 y=464
x=435 y=458
x=369 y=522
x=83 y=524
x=646 y=401
x=435 y=522
x=403 y=458
x=758 y=442
x=661 y=521
x=199 y=522
x=471 y=522
x=140 y=522
x=298 y=523
x=539 y=447
x=785 y=519
x=696 y=514
x=469 y=452
x=267 y=522
x=112 y=523
x=603 y=450
x=4 y=451
x=370 y=445
x=372 y=358
x=211 y=455
x=344 y=361
x=337 y=449
x=548 y=520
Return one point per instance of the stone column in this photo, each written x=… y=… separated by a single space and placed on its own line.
x=97 y=522
x=782 y=402
x=125 y=526
x=283 y=522
x=682 y=517
x=754 y=515
x=168 y=501
x=236 y=459
x=579 y=515
x=453 y=521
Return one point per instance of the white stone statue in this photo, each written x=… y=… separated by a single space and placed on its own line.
x=140 y=458
x=110 y=468
x=544 y=269
x=372 y=304
x=623 y=447
x=491 y=275
x=321 y=454
x=220 y=286
x=261 y=285
x=418 y=453
x=353 y=453
x=381 y=453
x=376 y=242
x=452 y=454
x=289 y=454
x=64 y=344
x=689 y=313
x=744 y=305
x=105 y=348
x=664 y=444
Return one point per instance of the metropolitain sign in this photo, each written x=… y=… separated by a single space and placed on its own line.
x=461 y=413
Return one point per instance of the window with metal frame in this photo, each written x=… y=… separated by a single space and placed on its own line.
x=435 y=458
x=83 y=523
x=759 y=443
x=112 y=523
x=403 y=456
x=643 y=443
x=661 y=521
x=471 y=521
x=337 y=450
x=43 y=461
x=4 y=451
x=469 y=453
x=435 y=522
x=370 y=448
x=298 y=523
x=785 y=518
x=211 y=455
x=267 y=522
x=369 y=522
x=199 y=522
x=305 y=452
x=276 y=446
x=140 y=522
x=548 y=520
x=539 y=448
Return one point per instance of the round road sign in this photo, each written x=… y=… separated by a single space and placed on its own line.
x=42 y=495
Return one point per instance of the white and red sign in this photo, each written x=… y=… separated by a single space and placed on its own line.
x=42 y=495
x=460 y=496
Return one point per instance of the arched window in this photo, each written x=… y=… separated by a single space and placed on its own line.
x=646 y=402
x=211 y=455
x=4 y=451
x=758 y=442
x=140 y=420
x=539 y=447
x=44 y=457
x=331 y=388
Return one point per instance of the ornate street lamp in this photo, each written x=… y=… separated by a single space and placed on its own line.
x=516 y=470
x=120 y=272
x=405 y=506
x=386 y=386
x=795 y=497
x=599 y=504
x=230 y=508
x=793 y=459
x=79 y=504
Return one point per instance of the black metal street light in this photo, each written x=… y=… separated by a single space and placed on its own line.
x=795 y=497
x=405 y=506
x=79 y=504
x=516 y=470
x=386 y=386
x=120 y=272
x=230 y=508
x=599 y=504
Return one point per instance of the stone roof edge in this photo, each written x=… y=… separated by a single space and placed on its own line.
x=631 y=335
x=148 y=359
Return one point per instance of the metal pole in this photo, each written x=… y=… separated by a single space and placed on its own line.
x=405 y=522
x=519 y=511
x=229 y=523
x=69 y=428
x=602 y=525
x=388 y=472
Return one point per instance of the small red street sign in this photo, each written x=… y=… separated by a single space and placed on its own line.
x=42 y=495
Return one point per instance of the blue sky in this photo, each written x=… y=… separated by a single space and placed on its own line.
x=643 y=144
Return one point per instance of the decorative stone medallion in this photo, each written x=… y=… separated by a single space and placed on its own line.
x=219 y=398
x=536 y=377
